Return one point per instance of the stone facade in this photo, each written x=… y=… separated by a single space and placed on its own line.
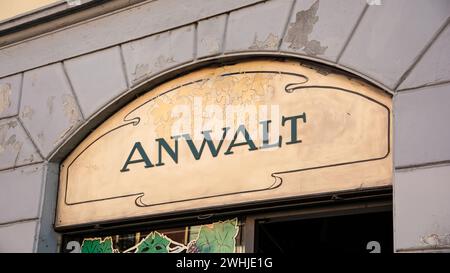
x=55 y=87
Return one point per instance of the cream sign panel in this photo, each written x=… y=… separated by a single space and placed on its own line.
x=253 y=131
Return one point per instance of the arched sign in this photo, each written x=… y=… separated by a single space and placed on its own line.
x=253 y=131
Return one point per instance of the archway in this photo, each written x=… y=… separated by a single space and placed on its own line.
x=297 y=134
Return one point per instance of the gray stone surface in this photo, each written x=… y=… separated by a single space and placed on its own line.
x=152 y=55
x=97 y=78
x=18 y=237
x=392 y=35
x=384 y=46
x=434 y=66
x=9 y=95
x=49 y=110
x=259 y=27
x=421 y=125
x=421 y=202
x=210 y=36
x=48 y=238
x=321 y=28
x=16 y=149
x=114 y=28
x=20 y=193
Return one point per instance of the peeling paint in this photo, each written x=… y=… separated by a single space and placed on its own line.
x=271 y=42
x=3 y=133
x=5 y=96
x=436 y=240
x=71 y=112
x=30 y=159
x=29 y=170
x=143 y=70
x=33 y=79
x=27 y=112
x=313 y=48
x=299 y=31
x=212 y=45
x=71 y=109
x=50 y=101
x=11 y=140
x=40 y=137
x=140 y=71
x=14 y=145
x=163 y=61
x=12 y=124
x=18 y=148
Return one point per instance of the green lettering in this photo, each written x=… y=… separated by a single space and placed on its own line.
x=162 y=143
x=266 y=144
x=293 y=121
x=144 y=158
x=206 y=140
x=248 y=141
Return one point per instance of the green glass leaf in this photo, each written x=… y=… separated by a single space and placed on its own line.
x=97 y=245
x=220 y=237
x=154 y=243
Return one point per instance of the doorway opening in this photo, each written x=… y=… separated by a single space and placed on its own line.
x=349 y=231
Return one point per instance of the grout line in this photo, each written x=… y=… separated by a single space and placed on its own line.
x=291 y=11
x=424 y=165
x=195 y=46
x=23 y=166
x=411 y=89
x=18 y=166
x=31 y=139
x=225 y=31
x=124 y=66
x=366 y=7
x=421 y=54
x=22 y=76
x=18 y=221
x=8 y=117
x=72 y=89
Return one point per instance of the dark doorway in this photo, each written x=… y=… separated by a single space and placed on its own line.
x=354 y=233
